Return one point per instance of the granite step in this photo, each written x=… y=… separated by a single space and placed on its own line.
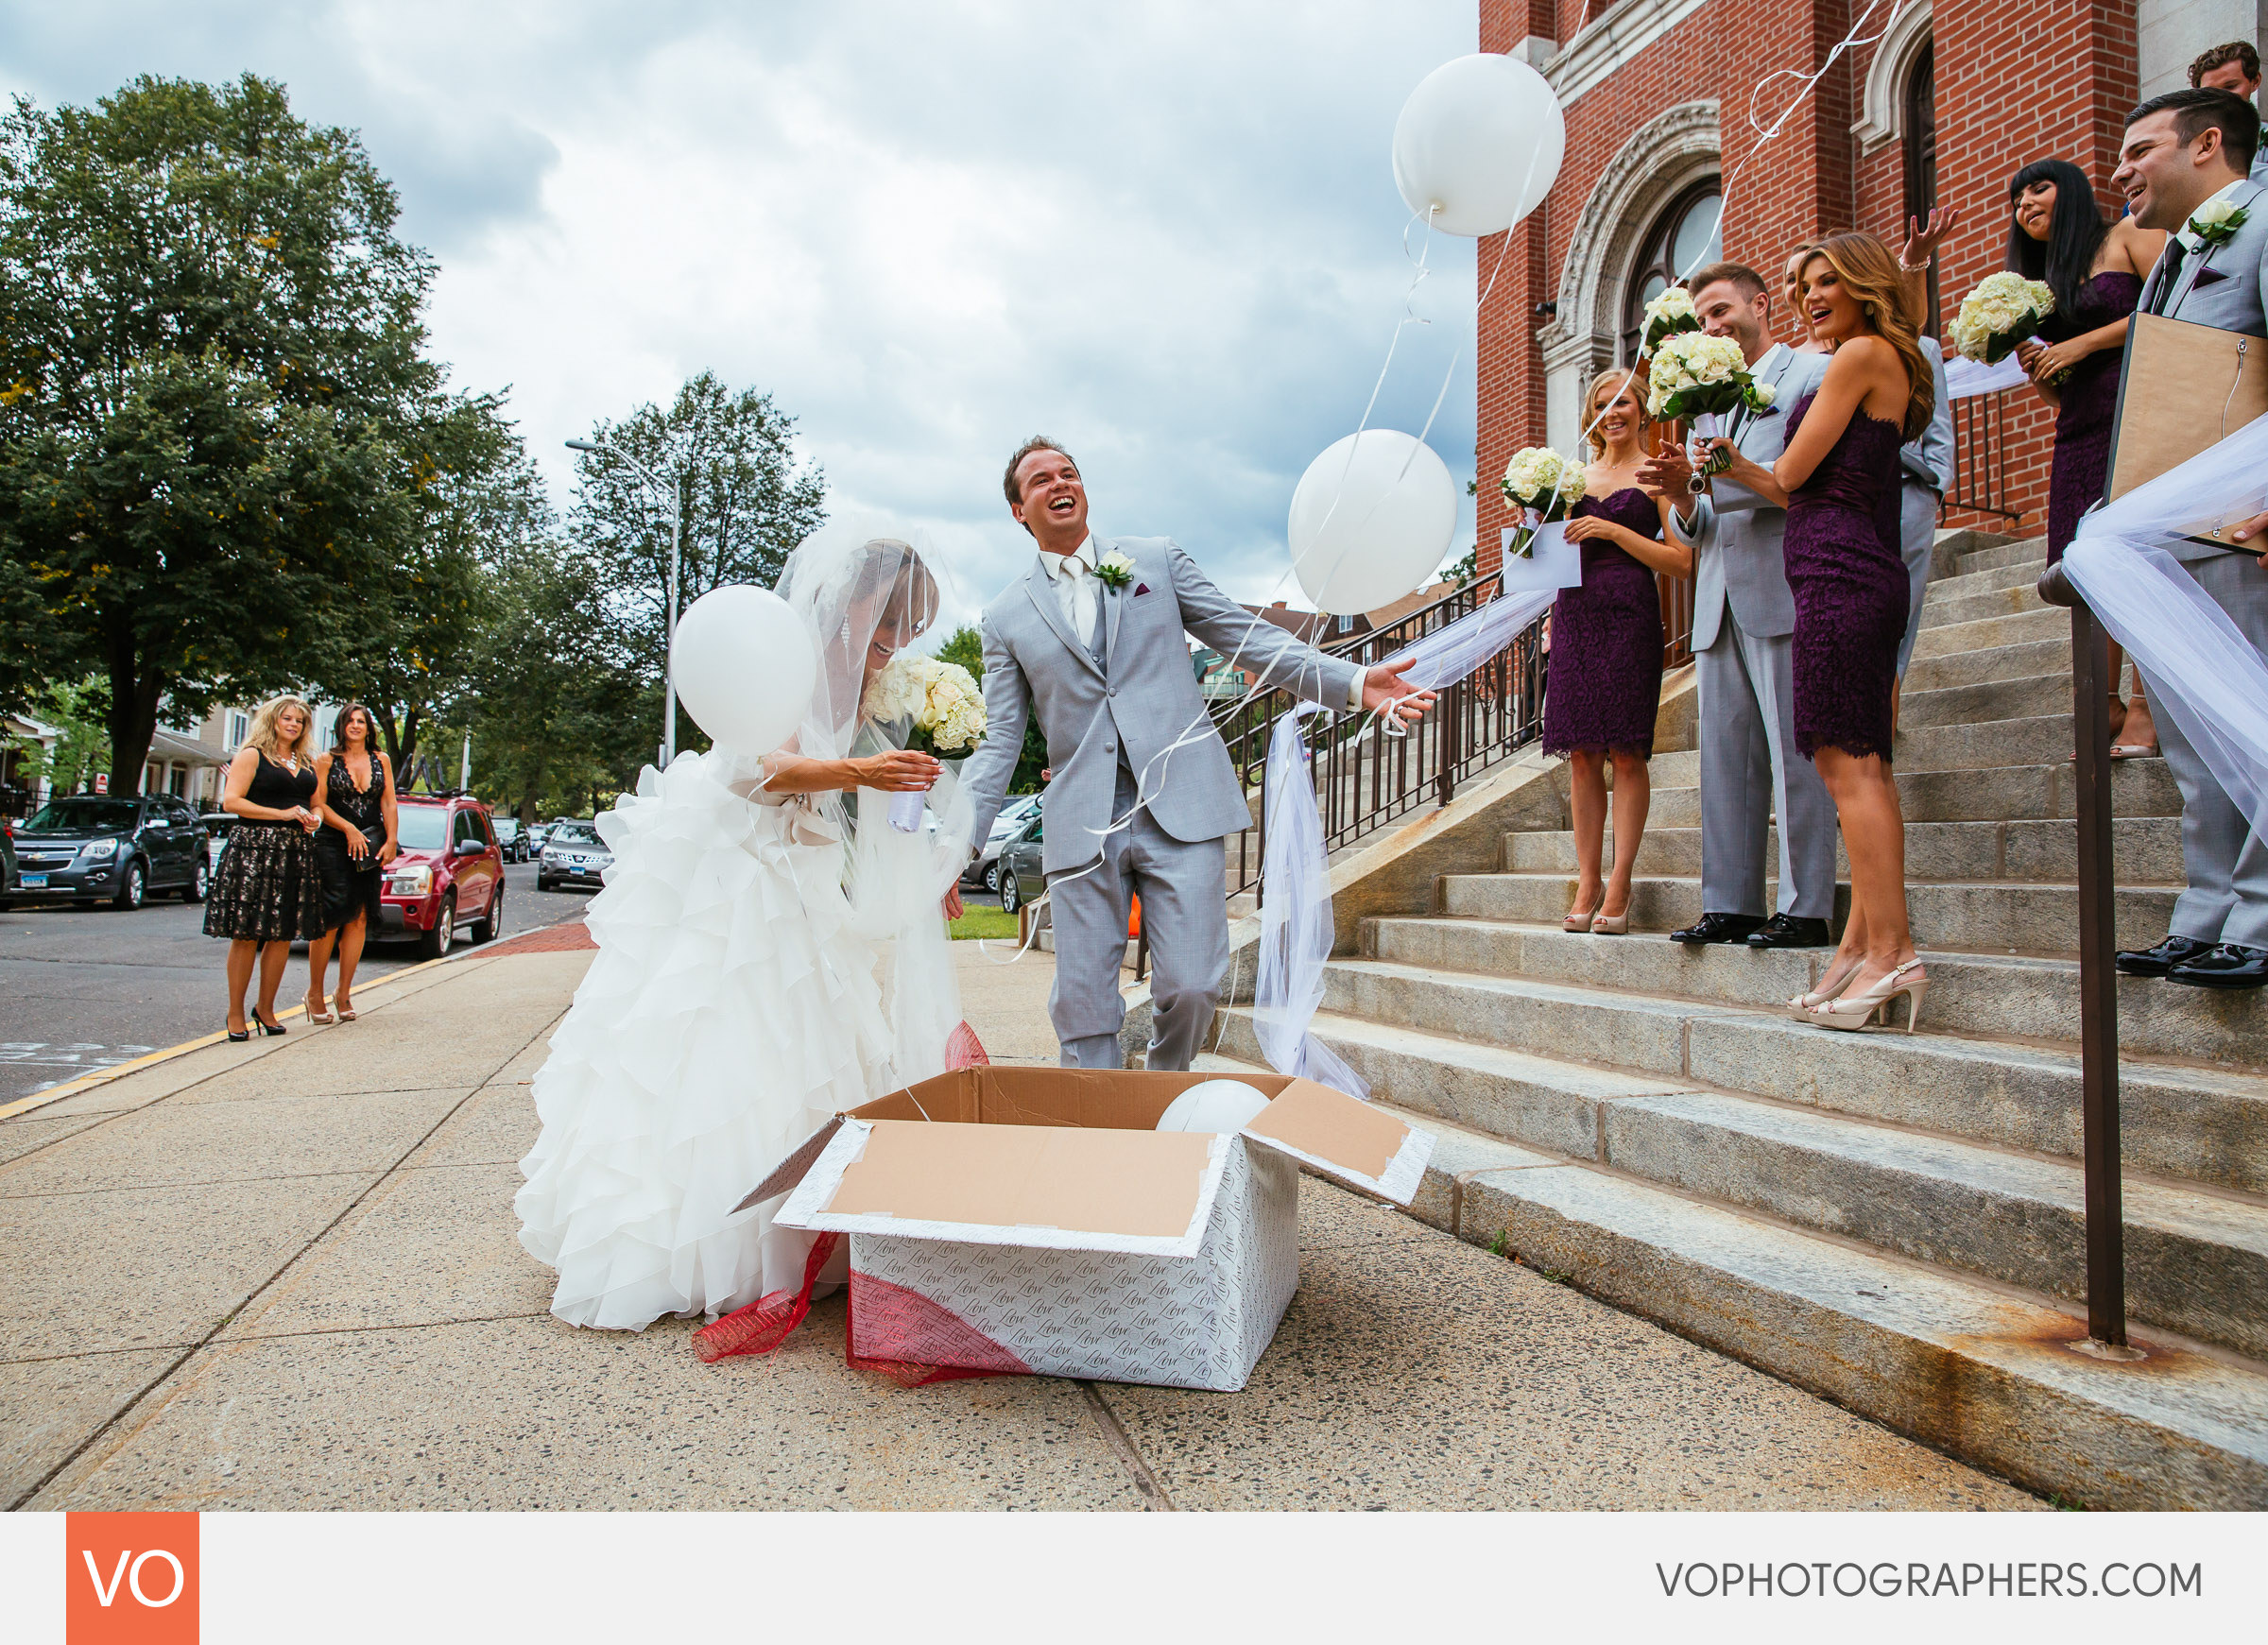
x=2030 y=659
x=1988 y=1006
x=2014 y=595
x=2009 y=917
x=1987 y=793
x=1963 y=585
x=2021 y=697
x=1986 y=744
x=2030 y=550
x=2011 y=628
x=2146 y=850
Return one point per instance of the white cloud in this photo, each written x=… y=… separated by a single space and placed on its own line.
x=1166 y=234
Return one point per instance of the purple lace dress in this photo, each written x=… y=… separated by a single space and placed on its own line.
x=2089 y=401
x=1605 y=685
x=1849 y=586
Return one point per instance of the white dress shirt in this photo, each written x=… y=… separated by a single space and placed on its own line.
x=1080 y=593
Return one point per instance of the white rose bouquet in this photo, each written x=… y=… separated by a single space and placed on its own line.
x=2003 y=311
x=1696 y=378
x=944 y=712
x=1543 y=485
x=1668 y=315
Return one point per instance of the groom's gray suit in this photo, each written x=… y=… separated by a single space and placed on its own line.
x=2226 y=864
x=1120 y=712
x=1744 y=629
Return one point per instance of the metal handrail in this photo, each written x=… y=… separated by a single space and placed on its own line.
x=1366 y=781
x=2097 y=975
x=1981 y=456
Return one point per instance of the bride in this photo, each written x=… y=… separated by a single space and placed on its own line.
x=770 y=951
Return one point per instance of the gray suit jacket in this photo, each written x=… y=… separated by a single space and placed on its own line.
x=1130 y=708
x=1737 y=553
x=2219 y=286
x=1929 y=459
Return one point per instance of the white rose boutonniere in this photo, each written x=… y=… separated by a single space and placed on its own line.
x=2216 y=222
x=1115 y=570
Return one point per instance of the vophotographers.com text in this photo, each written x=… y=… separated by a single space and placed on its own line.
x=1887 y=1580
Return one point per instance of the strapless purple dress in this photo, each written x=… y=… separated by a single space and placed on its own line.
x=1605 y=685
x=2089 y=400
x=1849 y=586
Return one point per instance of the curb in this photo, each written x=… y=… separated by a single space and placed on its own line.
x=104 y=1076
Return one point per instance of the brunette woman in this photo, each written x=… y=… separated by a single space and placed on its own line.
x=264 y=893
x=1839 y=474
x=1605 y=672
x=355 y=792
x=2057 y=234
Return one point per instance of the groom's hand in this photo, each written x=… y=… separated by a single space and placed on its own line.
x=1388 y=695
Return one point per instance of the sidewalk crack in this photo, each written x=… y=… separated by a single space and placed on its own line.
x=1154 y=1497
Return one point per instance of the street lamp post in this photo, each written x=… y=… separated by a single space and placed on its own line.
x=669 y=635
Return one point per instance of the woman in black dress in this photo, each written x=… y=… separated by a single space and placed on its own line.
x=1605 y=685
x=354 y=791
x=264 y=893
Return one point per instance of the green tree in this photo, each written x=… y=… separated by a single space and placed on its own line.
x=747 y=504
x=212 y=393
x=79 y=713
x=967 y=647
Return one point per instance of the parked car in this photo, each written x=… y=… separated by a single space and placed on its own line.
x=217 y=825
x=448 y=868
x=574 y=855
x=7 y=858
x=1021 y=877
x=984 y=868
x=89 y=847
x=512 y=839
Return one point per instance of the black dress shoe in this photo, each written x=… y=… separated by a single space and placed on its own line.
x=2155 y=962
x=1785 y=930
x=1717 y=928
x=2231 y=965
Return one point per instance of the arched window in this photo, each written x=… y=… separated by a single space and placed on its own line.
x=1683 y=238
x=1920 y=138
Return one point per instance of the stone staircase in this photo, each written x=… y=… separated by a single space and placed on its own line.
x=1890 y=1219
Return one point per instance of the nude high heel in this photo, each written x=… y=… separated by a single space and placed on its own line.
x=1616 y=925
x=1854 y=1011
x=1801 y=1006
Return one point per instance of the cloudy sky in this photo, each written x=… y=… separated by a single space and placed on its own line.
x=1166 y=234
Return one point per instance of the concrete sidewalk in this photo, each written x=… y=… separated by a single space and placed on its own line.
x=284 y=1276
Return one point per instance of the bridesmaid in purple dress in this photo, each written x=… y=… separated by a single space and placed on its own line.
x=1838 y=477
x=1605 y=671
x=2096 y=270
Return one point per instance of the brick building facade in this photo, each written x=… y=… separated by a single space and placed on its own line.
x=1663 y=100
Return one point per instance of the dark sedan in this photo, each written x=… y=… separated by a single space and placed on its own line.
x=90 y=847
x=1021 y=877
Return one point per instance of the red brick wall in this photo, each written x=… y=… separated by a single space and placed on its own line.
x=2015 y=80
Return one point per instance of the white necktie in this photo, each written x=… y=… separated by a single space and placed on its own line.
x=1078 y=599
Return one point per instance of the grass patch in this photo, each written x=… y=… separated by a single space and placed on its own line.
x=983 y=920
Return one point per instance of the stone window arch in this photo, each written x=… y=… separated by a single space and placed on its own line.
x=1684 y=237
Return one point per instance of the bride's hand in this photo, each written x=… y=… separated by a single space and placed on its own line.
x=952 y=902
x=899 y=771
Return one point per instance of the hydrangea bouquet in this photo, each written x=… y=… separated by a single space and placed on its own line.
x=2003 y=311
x=1543 y=485
x=1698 y=379
x=1669 y=315
x=942 y=708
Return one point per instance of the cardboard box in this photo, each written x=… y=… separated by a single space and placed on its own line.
x=1035 y=1219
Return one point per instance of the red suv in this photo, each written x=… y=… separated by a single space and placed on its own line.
x=448 y=869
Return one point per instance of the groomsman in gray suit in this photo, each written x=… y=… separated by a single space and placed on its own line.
x=2182 y=151
x=1092 y=638
x=1744 y=623
x=1926 y=474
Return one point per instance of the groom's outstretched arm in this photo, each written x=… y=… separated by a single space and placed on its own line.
x=1273 y=655
x=1008 y=707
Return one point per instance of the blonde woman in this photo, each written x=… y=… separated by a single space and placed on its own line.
x=1791 y=282
x=1838 y=478
x=1605 y=685
x=266 y=893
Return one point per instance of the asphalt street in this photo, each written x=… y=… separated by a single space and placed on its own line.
x=81 y=989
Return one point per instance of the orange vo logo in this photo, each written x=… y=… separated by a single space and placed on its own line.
x=130 y=1579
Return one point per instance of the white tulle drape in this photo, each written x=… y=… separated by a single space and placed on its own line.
x=1964 y=377
x=2200 y=668
x=1296 y=930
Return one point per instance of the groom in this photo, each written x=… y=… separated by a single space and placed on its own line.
x=1090 y=638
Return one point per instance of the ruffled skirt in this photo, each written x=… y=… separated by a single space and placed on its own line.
x=729 y=1012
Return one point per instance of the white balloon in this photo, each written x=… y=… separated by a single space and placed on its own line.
x=1371 y=519
x=745 y=666
x=1479 y=143
x=1218 y=1105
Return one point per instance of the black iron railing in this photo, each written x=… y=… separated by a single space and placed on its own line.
x=1981 y=456
x=1365 y=780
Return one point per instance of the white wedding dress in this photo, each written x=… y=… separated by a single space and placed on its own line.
x=760 y=966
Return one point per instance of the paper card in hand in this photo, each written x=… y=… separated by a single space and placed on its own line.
x=1552 y=563
x=2183 y=389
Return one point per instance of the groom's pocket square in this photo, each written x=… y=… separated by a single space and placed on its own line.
x=1140 y=589
x=2208 y=276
